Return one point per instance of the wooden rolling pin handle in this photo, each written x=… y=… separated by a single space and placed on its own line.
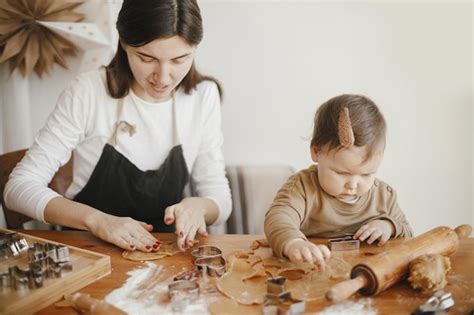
x=463 y=231
x=345 y=289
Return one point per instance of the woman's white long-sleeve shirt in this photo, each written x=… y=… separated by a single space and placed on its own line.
x=84 y=120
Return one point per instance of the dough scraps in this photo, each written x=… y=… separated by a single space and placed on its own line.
x=245 y=279
x=428 y=272
x=259 y=243
x=166 y=249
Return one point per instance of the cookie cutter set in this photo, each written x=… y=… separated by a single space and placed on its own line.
x=208 y=261
x=45 y=261
x=278 y=300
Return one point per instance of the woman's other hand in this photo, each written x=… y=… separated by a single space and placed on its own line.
x=190 y=217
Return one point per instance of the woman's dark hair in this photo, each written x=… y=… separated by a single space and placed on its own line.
x=368 y=123
x=142 y=21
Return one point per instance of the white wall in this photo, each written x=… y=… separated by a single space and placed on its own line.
x=280 y=60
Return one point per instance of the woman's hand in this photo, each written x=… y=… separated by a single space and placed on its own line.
x=300 y=250
x=124 y=232
x=380 y=230
x=190 y=217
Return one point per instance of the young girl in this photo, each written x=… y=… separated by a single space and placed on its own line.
x=340 y=194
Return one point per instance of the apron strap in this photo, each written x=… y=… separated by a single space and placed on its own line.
x=176 y=139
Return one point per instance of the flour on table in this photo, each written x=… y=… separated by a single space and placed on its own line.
x=360 y=307
x=146 y=292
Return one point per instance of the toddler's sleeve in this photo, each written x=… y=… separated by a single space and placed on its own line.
x=284 y=217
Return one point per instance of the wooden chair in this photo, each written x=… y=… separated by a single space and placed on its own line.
x=60 y=182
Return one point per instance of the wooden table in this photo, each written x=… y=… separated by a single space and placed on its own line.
x=399 y=299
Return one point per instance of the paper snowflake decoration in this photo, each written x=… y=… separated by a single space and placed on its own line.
x=26 y=39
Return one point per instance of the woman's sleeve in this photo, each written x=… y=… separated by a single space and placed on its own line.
x=208 y=172
x=27 y=189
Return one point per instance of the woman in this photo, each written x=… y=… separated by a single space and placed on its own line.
x=140 y=130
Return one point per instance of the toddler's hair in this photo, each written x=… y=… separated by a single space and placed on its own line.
x=365 y=119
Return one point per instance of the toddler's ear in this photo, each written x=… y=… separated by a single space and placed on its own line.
x=314 y=153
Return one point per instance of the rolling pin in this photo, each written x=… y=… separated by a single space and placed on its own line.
x=381 y=271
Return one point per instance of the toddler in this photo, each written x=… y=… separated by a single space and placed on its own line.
x=340 y=194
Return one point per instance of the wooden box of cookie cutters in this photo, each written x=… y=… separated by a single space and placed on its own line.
x=83 y=268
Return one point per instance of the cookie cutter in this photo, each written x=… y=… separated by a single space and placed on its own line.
x=209 y=260
x=437 y=303
x=214 y=266
x=345 y=242
x=44 y=261
x=21 y=280
x=11 y=244
x=278 y=301
x=191 y=274
x=38 y=251
x=205 y=251
x=181 y=293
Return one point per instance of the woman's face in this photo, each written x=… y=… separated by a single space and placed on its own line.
x=159 y=66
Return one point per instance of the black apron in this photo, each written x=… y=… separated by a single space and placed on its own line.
x=118 y=187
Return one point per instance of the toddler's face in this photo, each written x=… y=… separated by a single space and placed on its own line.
x=344 y=173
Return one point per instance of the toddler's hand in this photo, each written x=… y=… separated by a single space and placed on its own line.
x=299 y=250
x=375 y=230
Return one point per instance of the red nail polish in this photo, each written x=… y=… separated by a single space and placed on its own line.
x=155 y=246
x=158 y=242
x=148 y=247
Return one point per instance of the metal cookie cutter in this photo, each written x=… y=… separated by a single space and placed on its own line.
x=343 y=243
x=192 y=274
x=49 y=259
x=213 y=266
x=436 y=304
x=209 y=260
x=278 y=301
x=11 y=244
x=181 y=293
x=21 y=280
x=58 y=253
x=205 y=251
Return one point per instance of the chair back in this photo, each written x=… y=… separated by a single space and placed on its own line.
x=60 y=182
x=253 y=189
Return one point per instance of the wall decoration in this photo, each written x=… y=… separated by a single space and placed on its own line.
x=28 y=36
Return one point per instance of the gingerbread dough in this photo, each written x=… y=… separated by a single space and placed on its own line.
x=166 y=249
x=226 y=306
x=245 y=279
x=428 y=272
